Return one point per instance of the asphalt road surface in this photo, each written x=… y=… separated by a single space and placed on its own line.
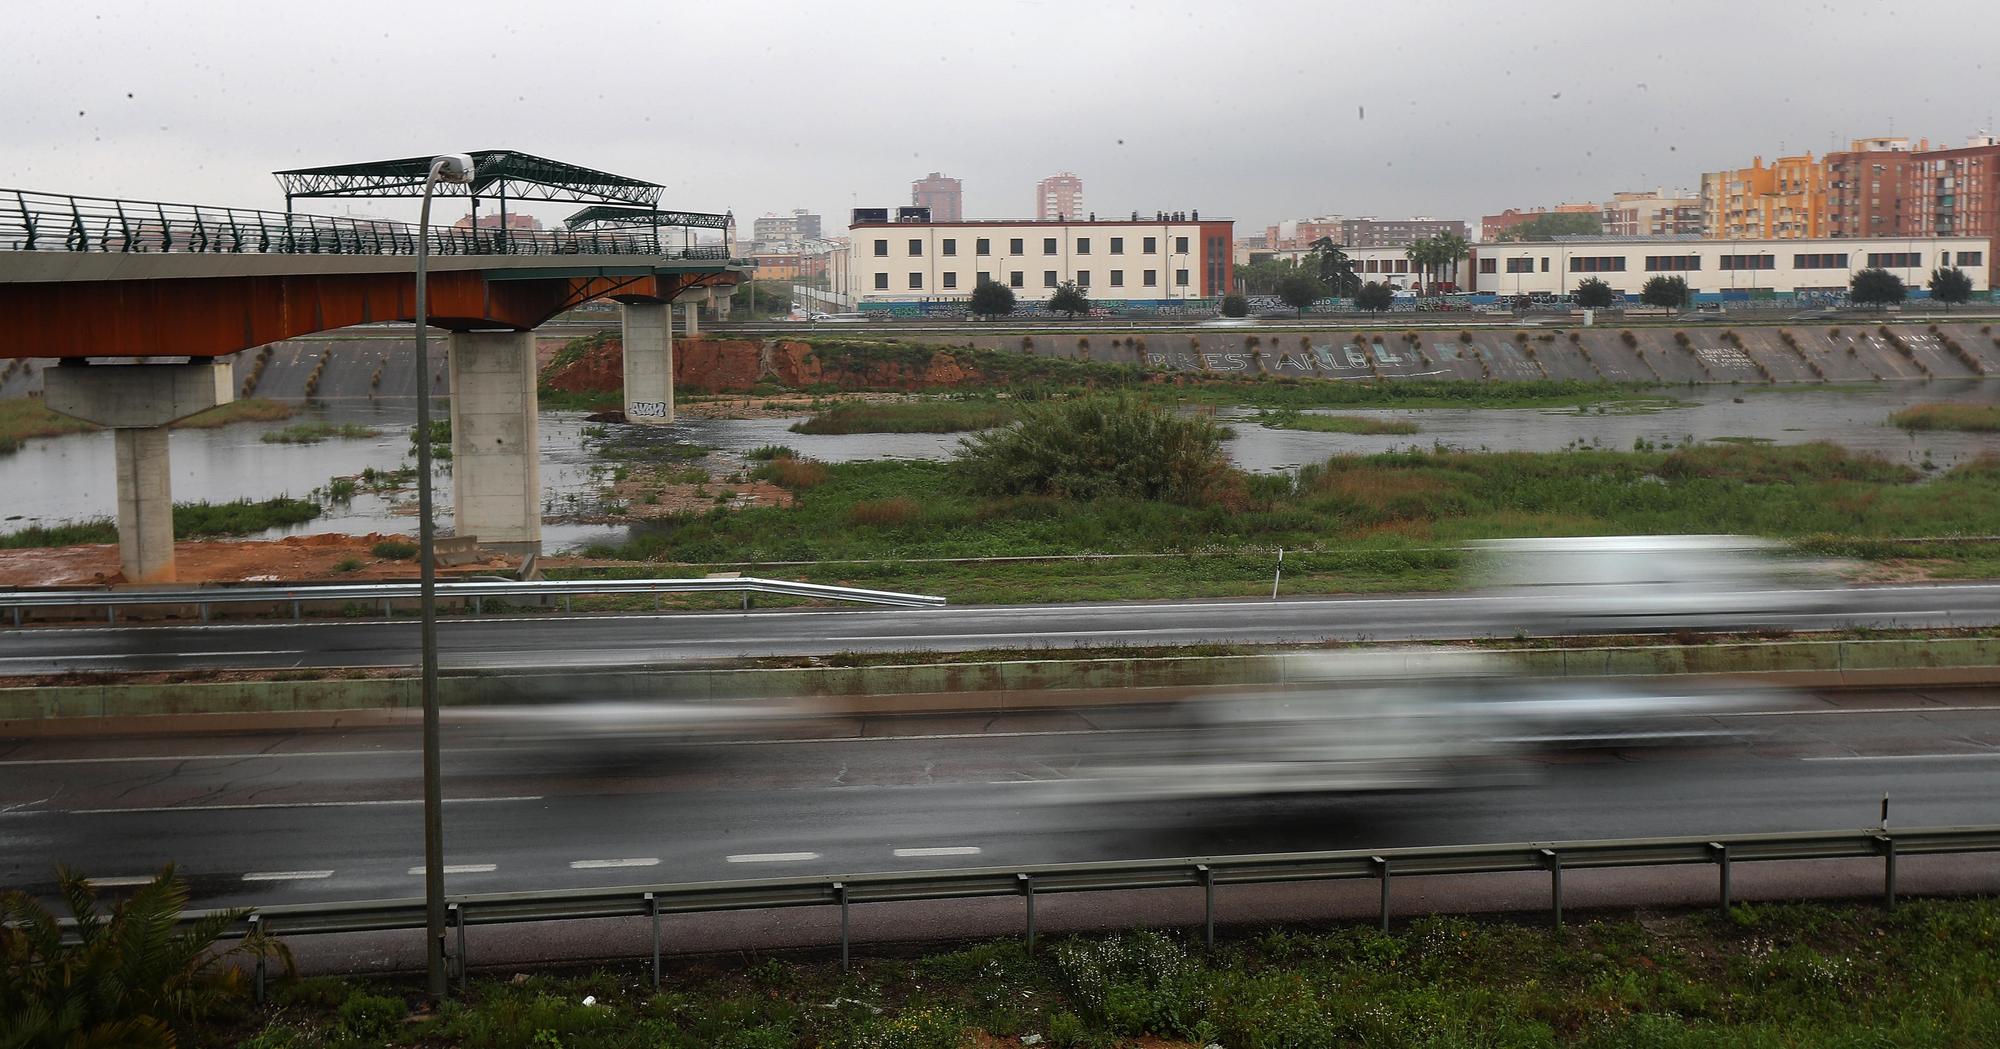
x=543 y=642
x=331 y=815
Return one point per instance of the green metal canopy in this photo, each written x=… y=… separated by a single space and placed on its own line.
x=499 y=173
x=609 y=216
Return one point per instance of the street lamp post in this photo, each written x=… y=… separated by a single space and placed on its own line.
x=456 y=167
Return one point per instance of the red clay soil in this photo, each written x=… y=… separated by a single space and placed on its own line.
x=295 y=558
x=709 y=365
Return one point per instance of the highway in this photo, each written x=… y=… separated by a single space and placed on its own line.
x=330 y=815
x=588 y=640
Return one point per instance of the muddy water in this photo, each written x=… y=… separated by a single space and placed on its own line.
x=70 y=478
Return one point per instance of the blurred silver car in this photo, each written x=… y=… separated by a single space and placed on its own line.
x=1647 y=582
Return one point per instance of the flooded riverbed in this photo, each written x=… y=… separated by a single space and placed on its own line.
x=53 y=480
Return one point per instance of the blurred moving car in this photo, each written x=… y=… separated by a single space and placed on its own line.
x=1647 y=583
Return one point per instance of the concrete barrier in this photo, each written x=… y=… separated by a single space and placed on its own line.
x=942 y=687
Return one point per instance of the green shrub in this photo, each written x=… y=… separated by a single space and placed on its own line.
x=765 y=453
x=394 y=550
x=371 y=1016
x=347 y=564
x=1097 y=447
x=1234 y=305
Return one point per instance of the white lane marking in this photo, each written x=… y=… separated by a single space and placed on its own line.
x=286 y=875
x=151 y=655
x=208 y=757
x=463 y=868
x=771 y=857
x=276 y=805
x=947 y=850
x=1907 y=757
x=119 y=882
x=589 y=865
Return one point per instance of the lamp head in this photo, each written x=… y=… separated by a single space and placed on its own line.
x=452 y=167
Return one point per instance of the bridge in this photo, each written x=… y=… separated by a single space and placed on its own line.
x=111 y=286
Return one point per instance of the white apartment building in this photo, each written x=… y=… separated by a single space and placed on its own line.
x=1710 y=266
x=1137 y=260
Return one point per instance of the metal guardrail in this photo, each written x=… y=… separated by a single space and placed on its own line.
x=59 y=222
x=475 y=592
x=1202 y=872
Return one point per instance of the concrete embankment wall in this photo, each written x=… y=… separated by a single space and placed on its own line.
x=936 y=688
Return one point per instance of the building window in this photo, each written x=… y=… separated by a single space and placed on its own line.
x=1180 y=246
x=1749 y=262
x=916 y=282
x=916 y=247
x=1014 y=279
x=1894 y=259
x=1014 y=247
x=1672 y=263
x=1048 y=245
x=1048 y=278
x=1833 y=261
x=1152 y=278
x=1972 y=258
x=1118 y=245
x=1520 y=265
x=1545 y=264
x=882 y=247
x=1083 y=245
x=1180 y=278
x=1150 y=245
x=1083 y=278
x=881 y=282
x=982 y=278
x=1117 y=276
x=1490 y=265
x=1370 y=266
x=950 y=279
x=950 y=246
x=983 y=246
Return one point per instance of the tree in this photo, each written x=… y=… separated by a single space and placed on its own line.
x=1423 y=256
x=1374 y=297
x=1671 y=292
x=1876 y=287
x=1451 y=249
x=1950 y=286
x=992 y=299
x=1593 y=294
x=127 y=978
x=1556 y=224
x=1301 y=290
x=1069 y=300
x=1336 y=270
x=1234 y=305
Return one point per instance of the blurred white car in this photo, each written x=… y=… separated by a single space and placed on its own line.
x=1646 y=583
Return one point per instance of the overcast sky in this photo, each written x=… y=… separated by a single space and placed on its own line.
x=1257 y=111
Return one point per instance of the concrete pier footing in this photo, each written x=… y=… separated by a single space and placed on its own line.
x=496 y=454
x=649 y=362
x=138 y=402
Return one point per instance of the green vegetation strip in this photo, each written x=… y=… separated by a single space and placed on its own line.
x=925 y=416
x=315 y=432
x=1975 y=418
x=191 y=521
x=23 y=418
x=1293 y=419
x=1765 y=975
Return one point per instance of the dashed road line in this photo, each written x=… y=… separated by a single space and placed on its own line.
x=463 y=868
x=119 y=882
x=942 y=850
x=590 y=865
x=1907 y=757
x=287 y=875
x=771 y=857
x=273 y=805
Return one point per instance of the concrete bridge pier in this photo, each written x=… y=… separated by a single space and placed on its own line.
x=495 y=442
x=138 y=402
x=649 y=362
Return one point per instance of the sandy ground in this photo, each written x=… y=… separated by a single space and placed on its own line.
x=292 y=559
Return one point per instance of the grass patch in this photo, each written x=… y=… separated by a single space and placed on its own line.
x=394 y=550
x=315 y=432
x=23 y=418
x=242 y=517
x=909 y=417
x=1972 y=418
x=1353 y=523
x=766 y=453
x=247 y=409
x=1293 y=419
x=75 y=533
x=1764 y=975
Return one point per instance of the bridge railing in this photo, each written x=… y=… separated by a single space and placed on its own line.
x=61 y=222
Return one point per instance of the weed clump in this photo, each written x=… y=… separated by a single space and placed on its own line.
x=1098 y=447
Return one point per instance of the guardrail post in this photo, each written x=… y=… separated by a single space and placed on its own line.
x=457 y=917
x=297 y=612
x=111 y=613
x=1887 y=846
x=1027 y=883
x=566 y=605
x=1208 y=905
x=1554 y=863
x=653 y=910
x=17 y=615
x=840 y=894
x=1382 y=872
x=203 y=607
x=387 y=612
x=1721 y=853
x=257 y=926
x=478 y=605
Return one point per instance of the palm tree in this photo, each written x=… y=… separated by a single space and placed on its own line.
x=1421 y=253
x=1450 y=249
